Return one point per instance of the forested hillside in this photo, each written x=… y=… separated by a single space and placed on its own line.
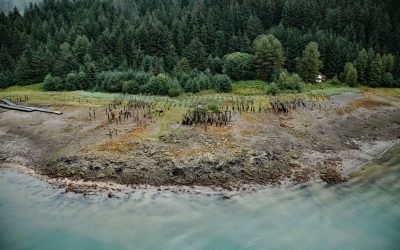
x=8 y=5
x=171 y=46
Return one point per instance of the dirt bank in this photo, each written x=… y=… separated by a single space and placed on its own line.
x=305 y=145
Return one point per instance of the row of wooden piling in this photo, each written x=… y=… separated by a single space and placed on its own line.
x=206 y=118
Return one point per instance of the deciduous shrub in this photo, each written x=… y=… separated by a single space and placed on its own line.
x=273 y=89
x=53 y=83
x=290 y=82
x=222 y=83
x=130 y=87
x=239 y=66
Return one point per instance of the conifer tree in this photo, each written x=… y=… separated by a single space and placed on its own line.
x=388 y=62
x=269 y=55
x=377 y=70
x=361 y=65
x=254 y=27
x=196 y=54
x=182 y=66
x=310 y=63
x=81 y=47
x=350 y=74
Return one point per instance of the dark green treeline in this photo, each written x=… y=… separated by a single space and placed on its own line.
x=126 y=45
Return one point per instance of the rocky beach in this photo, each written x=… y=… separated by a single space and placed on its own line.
x=305 y=145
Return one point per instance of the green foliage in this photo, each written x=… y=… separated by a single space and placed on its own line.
x=254 y=27
x=239 y=66
x=222 y=83
x=7 y=63
x=6 y=79
x=182 y=66
x=52 y=83
x=192 y=85
x=71 y=81
x=388 y=80
x=213 y=108
x=362 y=66
x=388 y=62
x=196 y=54
x=33 y=65
x=66 y=62
x=215 y=64
x=153 y=36
x=334 y=82
x=373 y=69
x=95 y=36
x=288 y=81
x=334 y=91
x=350 y=74
x=153 y=64
x=252 y=87
x=81 y=47
x=309 y=65
x=273 y=89
x=300 y=14
x=175 y=91
x=157 y=85
x=269 y=55
x=376 y=71
x=203 y=80
x=111 y=81
x=141 y=77
x=130 y=87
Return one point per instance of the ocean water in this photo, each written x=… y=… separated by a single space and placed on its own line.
x=362 y=213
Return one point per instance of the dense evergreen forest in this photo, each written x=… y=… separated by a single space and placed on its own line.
x=8 y=5
x=175 y=46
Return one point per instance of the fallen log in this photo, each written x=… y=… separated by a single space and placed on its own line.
x=15 y=108
x=10 y=105
x=46 y=111
x=9 y=102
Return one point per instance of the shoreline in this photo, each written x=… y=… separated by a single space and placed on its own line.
x=323 y=144
x=375 y=151
x=113 y=188
x=97 y=186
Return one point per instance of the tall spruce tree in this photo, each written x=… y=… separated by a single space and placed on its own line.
x=388 y=62
x=310 y=63
x=196 y=54
x=362 y=66
x=350 y=74
x=269 y=55
x=254 y=27
x=377 y=70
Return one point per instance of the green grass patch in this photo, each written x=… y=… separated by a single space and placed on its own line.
x=24 y=89
x=333 y=91
x=253 y=87
x=330 y=88
x=325 y=85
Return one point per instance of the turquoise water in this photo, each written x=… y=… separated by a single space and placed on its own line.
x=363 y=213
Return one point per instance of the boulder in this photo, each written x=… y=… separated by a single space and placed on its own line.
x=119 y=169
x=178 y=172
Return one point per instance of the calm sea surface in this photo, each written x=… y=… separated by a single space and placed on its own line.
x=363 y=213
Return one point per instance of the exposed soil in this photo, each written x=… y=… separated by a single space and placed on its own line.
x=255 y=149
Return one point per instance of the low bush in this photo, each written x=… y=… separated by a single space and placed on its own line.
x=52 y=83
x=222 y=83
x=288 y=81
x=273 y=89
